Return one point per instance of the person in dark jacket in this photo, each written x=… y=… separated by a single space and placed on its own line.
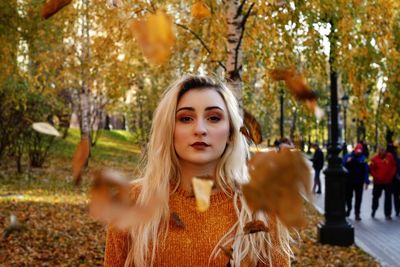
x=392 y=148
x=383 y=169
x=357 y=168
x=318 y=164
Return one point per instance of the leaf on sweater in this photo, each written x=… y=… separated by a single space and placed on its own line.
x=252 y=128
x=155 y=37
x=255 y=227
x=176 y=221
x=111 y=201
x=45 y=128
x=200 y=10
x=278 y=180
x=202 y=192
x=52 y=7
x=79 y=160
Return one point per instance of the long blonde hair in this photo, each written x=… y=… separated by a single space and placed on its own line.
x=230 y=173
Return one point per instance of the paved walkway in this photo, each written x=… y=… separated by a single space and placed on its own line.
x=376 y=236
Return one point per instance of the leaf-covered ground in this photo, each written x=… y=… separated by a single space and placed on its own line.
x=57 y=231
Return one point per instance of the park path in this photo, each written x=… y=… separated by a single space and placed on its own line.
x=376 y=236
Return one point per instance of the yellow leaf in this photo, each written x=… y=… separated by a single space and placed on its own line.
x=202 y=191
x=200 y=10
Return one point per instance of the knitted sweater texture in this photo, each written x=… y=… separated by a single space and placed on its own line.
x=192 y=245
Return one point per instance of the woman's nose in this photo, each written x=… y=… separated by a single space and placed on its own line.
x=200 y=128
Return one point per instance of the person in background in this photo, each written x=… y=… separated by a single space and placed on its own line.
x=357 y=168
x=318 y=164
x=392 y=149
x=382 y=168
x=365 y=148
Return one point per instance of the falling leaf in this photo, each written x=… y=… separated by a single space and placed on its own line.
x=176 y=221
x=278 y=180
x=113 y=3
x=45 y=128
x=253 y=128
x=255 y=227
x=154 y=34
x=200 y=10
x=202 y=192
x=298 y=86
x=79 y=160
x=52 y=7
x=111 y=201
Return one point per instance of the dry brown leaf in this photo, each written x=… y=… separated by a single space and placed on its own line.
x=52 y=7
x=298 y=86
x=255 y=227
x=253 y=128
x=176 y=221
x=295 y=82
x=79 y=160
x=111 y=201
x=200 y=10
x=202 y=192
x=278 y=178
x=227 y=251
x=154 y=34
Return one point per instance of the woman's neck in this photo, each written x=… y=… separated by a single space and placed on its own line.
x=189 y=170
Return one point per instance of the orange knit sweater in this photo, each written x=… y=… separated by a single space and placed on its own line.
x=191 y=246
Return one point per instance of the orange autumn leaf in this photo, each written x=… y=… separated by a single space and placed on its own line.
x=298 y=87
x=200 y=10
x=252 y=128
x=155 y=37
x=278 y=180
x=295 y=82
x=111 y=201
x=52 y=7
x=255 y=227
x=79 y=160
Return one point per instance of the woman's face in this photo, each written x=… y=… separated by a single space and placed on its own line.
x=201 y=127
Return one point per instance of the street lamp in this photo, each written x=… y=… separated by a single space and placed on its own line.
x=335 y=230
x=345 y=104
x=281 y=95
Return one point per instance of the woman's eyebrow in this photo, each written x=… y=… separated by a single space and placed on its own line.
x=192 y=109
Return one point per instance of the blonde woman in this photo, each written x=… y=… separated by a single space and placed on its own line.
x=196 y=132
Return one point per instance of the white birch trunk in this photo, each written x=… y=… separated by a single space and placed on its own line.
x=85 y=112
x=234 y=59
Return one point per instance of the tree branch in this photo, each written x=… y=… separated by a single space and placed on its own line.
x=201 y=41
x=239 y=11
x=246 y=16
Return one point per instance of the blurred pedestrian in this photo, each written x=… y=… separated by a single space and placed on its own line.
x=318 y=164
x=365 y=148
x=357 y=168
x=382 y=168
x=392 y=149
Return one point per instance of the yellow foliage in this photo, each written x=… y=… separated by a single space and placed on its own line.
x=155 y=36
x=200 y=10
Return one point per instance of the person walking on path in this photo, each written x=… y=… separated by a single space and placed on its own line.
x=318 y=164
x=382 y=168
x=357 y=168
x=392 y=149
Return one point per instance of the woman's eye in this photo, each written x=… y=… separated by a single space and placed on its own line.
x=185 y=119
x=214 y=118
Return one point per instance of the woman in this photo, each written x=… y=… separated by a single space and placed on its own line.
x=196 y=132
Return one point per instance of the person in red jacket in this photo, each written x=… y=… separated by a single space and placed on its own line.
x=382 y=169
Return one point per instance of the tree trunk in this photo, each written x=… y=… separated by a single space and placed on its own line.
x=236 y=21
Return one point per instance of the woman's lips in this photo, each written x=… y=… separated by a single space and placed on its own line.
x=199 y=145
